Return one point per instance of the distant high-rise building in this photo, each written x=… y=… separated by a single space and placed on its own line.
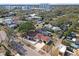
x=44 y=6
x=27 y=7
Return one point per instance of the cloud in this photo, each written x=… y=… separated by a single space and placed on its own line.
x=39 y=1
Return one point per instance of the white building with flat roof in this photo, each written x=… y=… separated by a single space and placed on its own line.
x=62 y=49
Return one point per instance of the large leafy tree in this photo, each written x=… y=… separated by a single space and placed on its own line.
x=25 y=27
x=67 y=43
x=70 y=29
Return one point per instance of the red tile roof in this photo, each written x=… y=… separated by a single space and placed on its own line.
x=42 y=37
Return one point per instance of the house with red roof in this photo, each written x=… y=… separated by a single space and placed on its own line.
x=42 y=37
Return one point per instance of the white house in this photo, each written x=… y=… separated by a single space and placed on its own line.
x=48 y=25
x=74 y=39
x=1 y=20
x=62 y=48
x=34 y=16
x=56 y=28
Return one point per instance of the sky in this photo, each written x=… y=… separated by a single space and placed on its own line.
x=39 y=1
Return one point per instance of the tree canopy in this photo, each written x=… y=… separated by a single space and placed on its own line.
x=25 y=27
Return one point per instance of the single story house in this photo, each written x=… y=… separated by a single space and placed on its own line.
x=33 y=14
x=12 y=14
x=42 y=37
x=48 y=26
x=62 y=49
x=39 y=21
x=30 y=35
x=44 y=32
x=56 y=28
x=64 y=27
x=10 y=22
x=34 y=17
x=72 y=37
